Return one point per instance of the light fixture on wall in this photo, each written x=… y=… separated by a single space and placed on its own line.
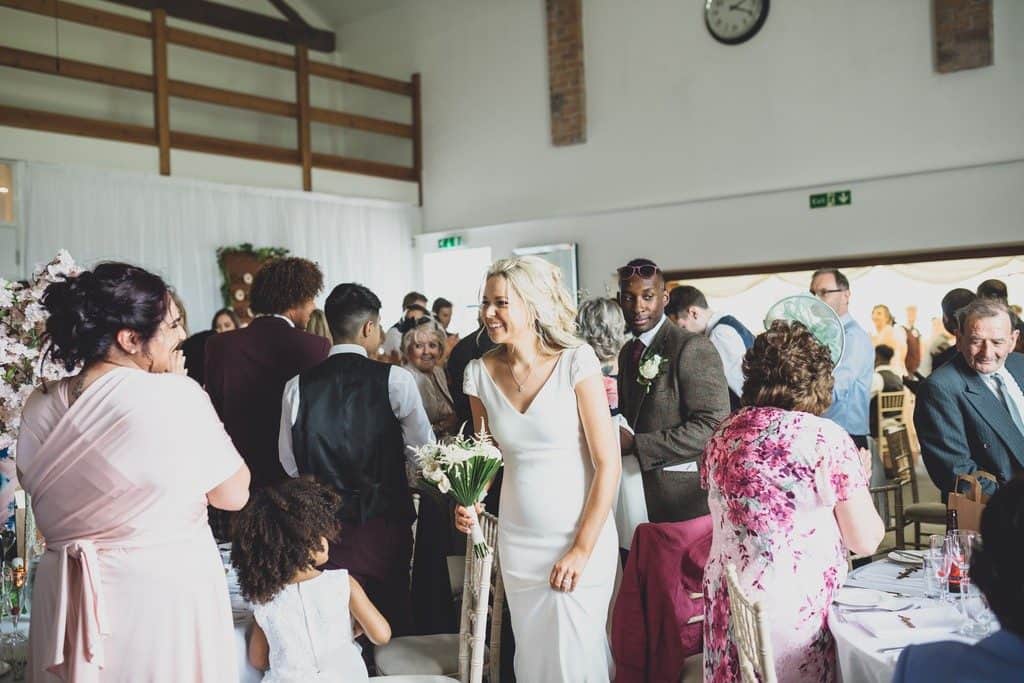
x=4 y=190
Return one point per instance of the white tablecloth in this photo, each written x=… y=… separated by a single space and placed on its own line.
x=857 y=651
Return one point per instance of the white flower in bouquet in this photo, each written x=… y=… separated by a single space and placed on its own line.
x=454 y=454
x=462 y=468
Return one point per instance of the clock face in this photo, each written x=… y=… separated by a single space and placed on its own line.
x=734 y=21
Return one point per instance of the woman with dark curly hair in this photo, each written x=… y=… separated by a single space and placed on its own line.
x=303 y=629
x=997 y=567
x=788 y=494
x=120 y=491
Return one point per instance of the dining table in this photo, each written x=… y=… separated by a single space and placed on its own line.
x=890 y=611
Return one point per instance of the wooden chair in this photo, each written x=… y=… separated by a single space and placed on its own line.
x=462 y=655
x=902 y=471
x=918 y=513
x=888 y=409
x=748 y=629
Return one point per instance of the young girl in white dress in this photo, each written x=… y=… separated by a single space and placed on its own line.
x=306 y=619
x=541 y=394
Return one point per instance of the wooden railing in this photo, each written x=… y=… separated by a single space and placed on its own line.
x=165 y=138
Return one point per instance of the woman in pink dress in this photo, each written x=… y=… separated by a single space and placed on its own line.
x=121 y=460
x=789 y=497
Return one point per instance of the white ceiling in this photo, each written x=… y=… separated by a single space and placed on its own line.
x=339 y=12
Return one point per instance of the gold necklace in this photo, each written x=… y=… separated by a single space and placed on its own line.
x=519 y=385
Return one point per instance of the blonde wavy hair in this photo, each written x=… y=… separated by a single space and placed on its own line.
x=539 y=285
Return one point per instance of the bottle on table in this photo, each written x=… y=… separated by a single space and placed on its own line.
x=952 y=526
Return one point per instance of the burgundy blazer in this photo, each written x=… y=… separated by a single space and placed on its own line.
x=246 y=371
x=658 y=617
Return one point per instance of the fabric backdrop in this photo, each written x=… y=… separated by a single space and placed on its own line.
x=174 y=226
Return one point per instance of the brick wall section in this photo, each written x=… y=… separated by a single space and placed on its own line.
x=963 y=34
x=565 y=72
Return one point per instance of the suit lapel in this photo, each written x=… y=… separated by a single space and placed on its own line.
x=655 y=348
x=992 y=410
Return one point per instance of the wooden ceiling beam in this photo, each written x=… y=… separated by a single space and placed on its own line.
x=240 y=21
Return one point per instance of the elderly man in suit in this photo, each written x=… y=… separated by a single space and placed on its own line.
x=969 y=411
x=673 y=393
x=246 y=370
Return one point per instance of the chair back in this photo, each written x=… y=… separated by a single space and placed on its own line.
x=897 y=438
x=750 y=633
x=889 y=407
x=490 y=526
x=476 y=591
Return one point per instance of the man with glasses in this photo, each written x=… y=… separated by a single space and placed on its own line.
x=672 y=392
x=851 y=393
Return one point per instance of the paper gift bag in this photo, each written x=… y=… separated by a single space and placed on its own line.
x=971 y=504
x=631 y=504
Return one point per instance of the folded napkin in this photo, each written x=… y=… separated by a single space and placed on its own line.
x=909 y=626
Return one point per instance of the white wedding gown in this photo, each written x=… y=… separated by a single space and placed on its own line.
x=548 y=471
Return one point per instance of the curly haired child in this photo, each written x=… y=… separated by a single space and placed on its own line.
x=304 y=616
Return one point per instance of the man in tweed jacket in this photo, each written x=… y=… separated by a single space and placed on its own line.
x=673 y=393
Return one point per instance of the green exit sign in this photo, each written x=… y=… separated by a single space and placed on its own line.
x=840 y=198
x=449 y=242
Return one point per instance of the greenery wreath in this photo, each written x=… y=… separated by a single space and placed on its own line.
x=261 y=254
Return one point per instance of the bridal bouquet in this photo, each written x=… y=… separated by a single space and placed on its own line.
x=22 y=324
x=463 y=468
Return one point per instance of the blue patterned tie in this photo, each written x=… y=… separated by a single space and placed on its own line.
x=1008 y=402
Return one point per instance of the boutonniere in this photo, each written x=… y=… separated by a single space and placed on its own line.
x=651 y=367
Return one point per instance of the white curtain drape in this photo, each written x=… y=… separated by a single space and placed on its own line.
x=174 y=227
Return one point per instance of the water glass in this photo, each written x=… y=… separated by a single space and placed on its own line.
x=936 y=568
x=936 y=573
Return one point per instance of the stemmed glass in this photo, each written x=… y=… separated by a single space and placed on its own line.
x=959 y=545
x=8 y=540
x=15 y=602
x=972 y=603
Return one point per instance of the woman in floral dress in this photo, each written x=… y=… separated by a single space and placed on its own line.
x=788 y=495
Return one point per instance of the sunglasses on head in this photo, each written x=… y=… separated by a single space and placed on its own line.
x=645 y=271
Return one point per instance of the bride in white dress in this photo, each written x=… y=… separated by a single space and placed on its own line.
x=541 y=395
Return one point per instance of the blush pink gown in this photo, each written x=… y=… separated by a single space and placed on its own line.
x=131 y=587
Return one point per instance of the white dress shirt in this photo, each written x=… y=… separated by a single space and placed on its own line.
x=406 y=404
x=284 y=318
x=729 y=344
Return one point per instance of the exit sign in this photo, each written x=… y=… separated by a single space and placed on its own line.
x=841 y=198
x=449 y=242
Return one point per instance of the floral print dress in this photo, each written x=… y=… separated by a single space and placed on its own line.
x=773 y=478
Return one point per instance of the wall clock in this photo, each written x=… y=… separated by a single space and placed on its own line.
x=734 y=21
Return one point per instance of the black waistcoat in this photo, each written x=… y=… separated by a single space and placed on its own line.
x=347 y=436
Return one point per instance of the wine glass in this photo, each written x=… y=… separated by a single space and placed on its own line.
x=15 y=601
x=8 y=540
x=972 y=603
x=959 y=545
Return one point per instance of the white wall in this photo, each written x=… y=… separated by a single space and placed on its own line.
x=25 y=89
x=831 y=94
x=912 y=213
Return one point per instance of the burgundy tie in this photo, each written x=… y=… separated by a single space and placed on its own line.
x=637 y=352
